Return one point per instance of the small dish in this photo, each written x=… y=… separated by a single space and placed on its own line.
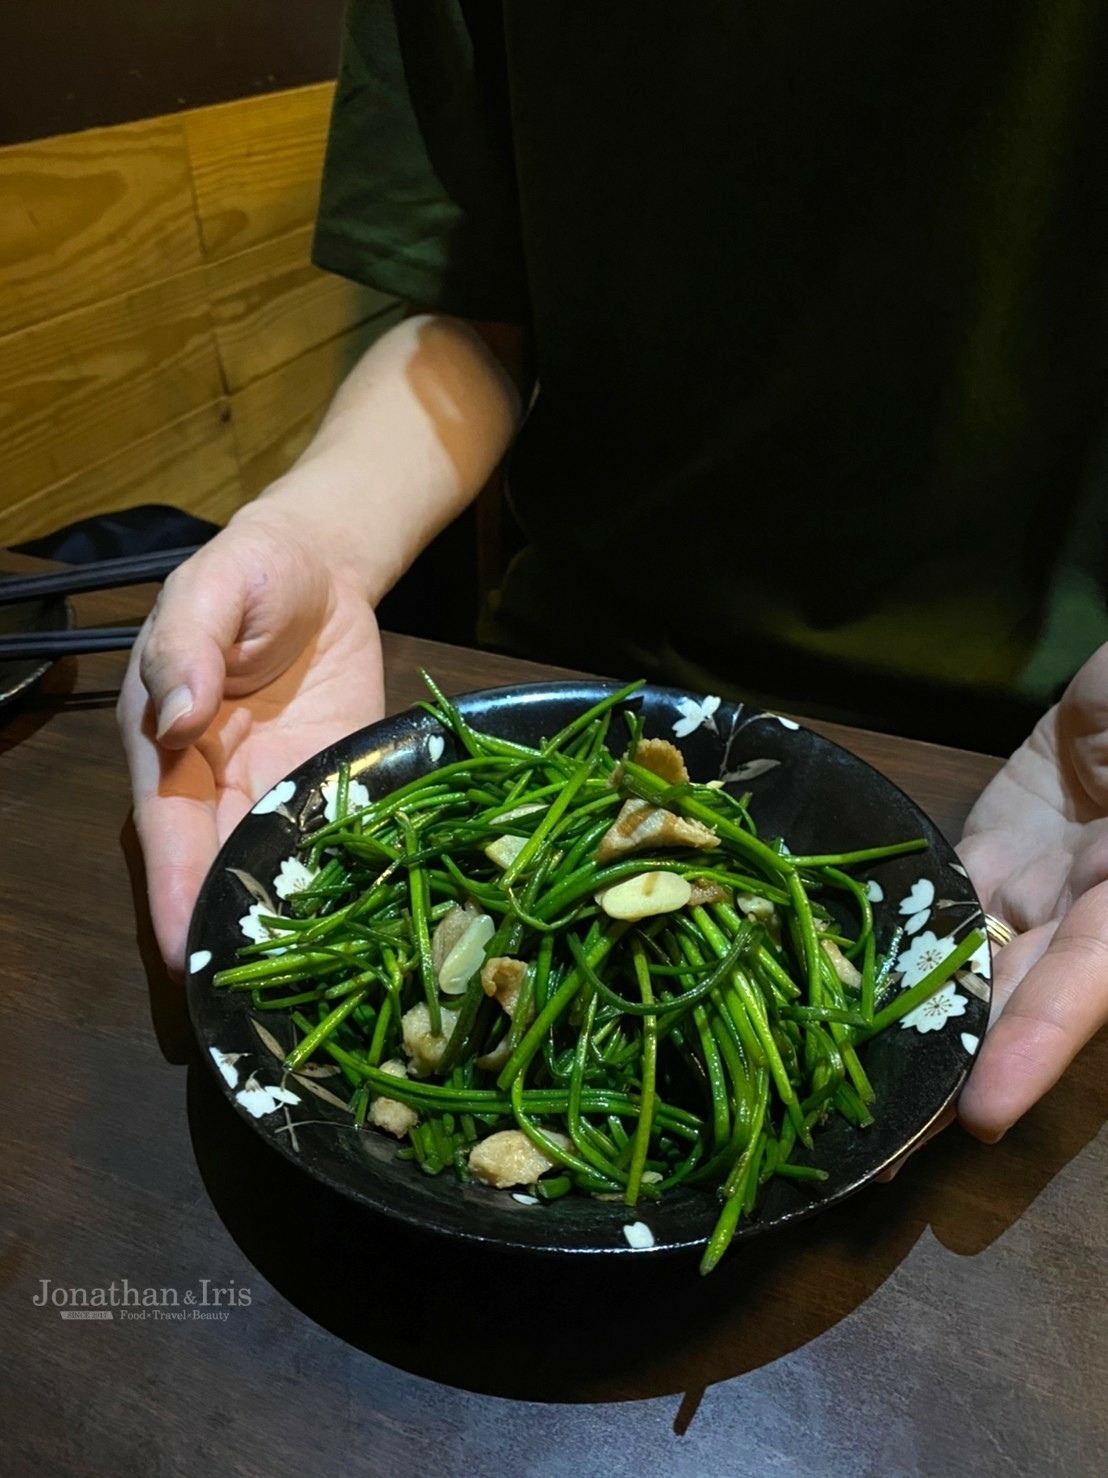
x=41 y=615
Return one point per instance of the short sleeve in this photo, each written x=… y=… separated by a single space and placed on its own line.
x=419 y=195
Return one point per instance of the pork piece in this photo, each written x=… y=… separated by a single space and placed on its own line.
x=503 y=978
x=423 y=1046
x=389 y=1113
x=663 y=759
x=640 y=825
x=509 y=1158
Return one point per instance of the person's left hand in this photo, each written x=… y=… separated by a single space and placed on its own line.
x=1036 y=848
x=277 y=655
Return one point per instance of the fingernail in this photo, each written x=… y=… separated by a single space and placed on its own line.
x=176 y=705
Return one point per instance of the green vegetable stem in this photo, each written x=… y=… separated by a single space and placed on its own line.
x=636 y=1047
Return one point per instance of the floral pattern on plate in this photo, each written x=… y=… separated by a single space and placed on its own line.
x=696 y=715
x=936 y=1010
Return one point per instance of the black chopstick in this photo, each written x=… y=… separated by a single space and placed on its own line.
x=104 y=574
x=53 y=644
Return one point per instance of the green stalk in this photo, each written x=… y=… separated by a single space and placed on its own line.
x=647 y=1074
x=320 y=1033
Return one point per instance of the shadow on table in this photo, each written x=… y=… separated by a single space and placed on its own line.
x=168 y=1009
x=545 y=1329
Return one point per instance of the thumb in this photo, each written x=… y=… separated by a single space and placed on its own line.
x=1082 y=719
x=183 y=662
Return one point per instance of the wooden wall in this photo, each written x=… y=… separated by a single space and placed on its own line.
x=163 y=336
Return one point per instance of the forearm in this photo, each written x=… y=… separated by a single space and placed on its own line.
x=409 y=440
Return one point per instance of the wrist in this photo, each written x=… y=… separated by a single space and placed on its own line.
x=303 y=512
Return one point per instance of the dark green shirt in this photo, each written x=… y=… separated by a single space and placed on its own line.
x=819 y=297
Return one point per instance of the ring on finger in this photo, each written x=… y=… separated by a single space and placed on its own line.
x=999 y=932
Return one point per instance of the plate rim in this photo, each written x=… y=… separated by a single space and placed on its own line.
x=584 y=689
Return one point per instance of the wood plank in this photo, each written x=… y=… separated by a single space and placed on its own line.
x=190 y=464
x=87 y=216
x=275 y=417
x=256 y=166
x=270 y=305
x=79 y=388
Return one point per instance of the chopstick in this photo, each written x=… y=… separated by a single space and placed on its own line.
x=55 y=644
x=104 y=574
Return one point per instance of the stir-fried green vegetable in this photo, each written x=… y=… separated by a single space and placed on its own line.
x=554 y=967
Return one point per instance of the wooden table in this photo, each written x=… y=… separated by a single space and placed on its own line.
x=950 y=1323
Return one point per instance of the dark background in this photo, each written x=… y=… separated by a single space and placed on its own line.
x=67 y=65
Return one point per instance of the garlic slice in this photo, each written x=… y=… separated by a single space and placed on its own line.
x=646 y=894
x=504 y=850
x=467 y=956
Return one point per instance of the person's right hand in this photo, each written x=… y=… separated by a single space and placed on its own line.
x=258 y=653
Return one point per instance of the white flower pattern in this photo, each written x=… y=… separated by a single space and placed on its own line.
x=936 y=1010
x=695 y=715
x=225 y=1062
x=981 y=961
x=927 y=952
x=257 y=932
x=920 y=898
x=275 y=799
x=435 y=746
x=357 y=796
x=258 y=1100
x=293 y=876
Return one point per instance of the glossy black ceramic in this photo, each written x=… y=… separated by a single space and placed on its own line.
x=31 y=615
x=816 y=795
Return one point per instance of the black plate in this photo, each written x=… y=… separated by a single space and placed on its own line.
x=819 y=797
x=31 y=615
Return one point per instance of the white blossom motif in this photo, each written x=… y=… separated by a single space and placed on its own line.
x=977 y=972
x=970 y=1042
x=959 y=869
x=981 y=961
x=257 y=932
x=696 y=715
x=874 y=891
x=525 y=1200
x=259 y=1100
x=639 y=1236
x=936 y=1009
x=199 y=960
x=786 y=723
x=918 y=903
x=435 y=746
x=927 y=952
x=274 y=799
x=225 y=1062
x=293 y=877
x=922 y=896
x=357 y=796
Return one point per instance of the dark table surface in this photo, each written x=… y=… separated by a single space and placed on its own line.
x=951 y=1322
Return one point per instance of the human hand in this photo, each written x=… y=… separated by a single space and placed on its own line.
x=1036 y=847
x=258 y=653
